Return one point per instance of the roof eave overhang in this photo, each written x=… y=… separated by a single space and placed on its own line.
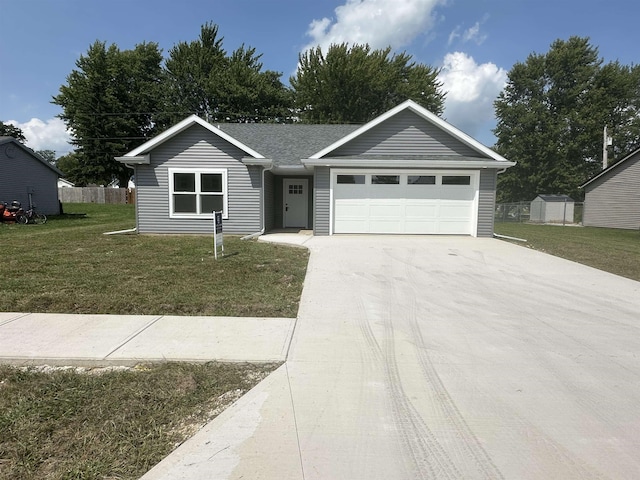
x=135 y=160
x=292 y=170
x=261 y=162
x=400 y=163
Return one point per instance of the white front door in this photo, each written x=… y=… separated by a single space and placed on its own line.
x=296 y=202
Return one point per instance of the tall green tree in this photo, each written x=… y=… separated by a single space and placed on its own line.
x=250 y=94
x=8 y=130
x=109 y=103
x=551 y=117
x=70 y=166
x=48 y=155
x=355 y=84
x=202 y=79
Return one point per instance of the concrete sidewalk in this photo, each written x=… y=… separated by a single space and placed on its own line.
x=96 y=340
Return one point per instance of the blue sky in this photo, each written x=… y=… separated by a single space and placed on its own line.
x=475 y=42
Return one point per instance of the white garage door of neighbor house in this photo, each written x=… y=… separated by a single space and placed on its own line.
x=404 y=203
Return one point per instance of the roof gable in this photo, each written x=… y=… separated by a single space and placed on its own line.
x=31 y=153
x=178 y=128
x=455 y=141
x=633 y=156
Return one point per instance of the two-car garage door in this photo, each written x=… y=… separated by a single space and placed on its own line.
x=420 y=202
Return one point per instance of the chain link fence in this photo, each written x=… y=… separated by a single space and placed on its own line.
x=520 y=212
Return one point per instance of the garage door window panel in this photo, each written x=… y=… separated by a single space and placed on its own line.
x=456 y=180
x=421 y=180
x=385 y=179
x=350 y=179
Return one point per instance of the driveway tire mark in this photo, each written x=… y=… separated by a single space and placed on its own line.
x=468 y=448
x=427 y=457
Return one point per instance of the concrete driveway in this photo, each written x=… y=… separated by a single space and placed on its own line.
x=440 y=357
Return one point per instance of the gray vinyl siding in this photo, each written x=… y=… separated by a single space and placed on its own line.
x=613 y=200
x=402 y=135
x=486 y=202
x=196 y=147
x=269 y=200
x=23 y=173
x=322 y=201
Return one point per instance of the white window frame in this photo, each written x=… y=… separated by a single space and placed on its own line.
x=198 y=172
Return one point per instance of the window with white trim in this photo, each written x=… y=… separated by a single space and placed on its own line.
x=197 y=192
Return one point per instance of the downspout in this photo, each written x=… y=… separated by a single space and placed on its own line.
x=263 y=212
x=506 y=237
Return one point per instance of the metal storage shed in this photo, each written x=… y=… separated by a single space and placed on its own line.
x=552 y=209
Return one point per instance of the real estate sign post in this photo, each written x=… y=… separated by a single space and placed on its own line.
x=217 y=234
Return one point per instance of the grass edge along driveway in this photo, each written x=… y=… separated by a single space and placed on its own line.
x=615 y=251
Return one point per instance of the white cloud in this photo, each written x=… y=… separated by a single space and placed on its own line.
x=471 y=90
x=380 y=23
x=45 y=135
x=471 y=34
x=455 y=33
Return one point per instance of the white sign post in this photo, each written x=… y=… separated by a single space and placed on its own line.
x=217 y=234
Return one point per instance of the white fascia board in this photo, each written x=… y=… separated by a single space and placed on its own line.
x=183 y=125
x=137 y=160
x=419 y=164
x=427 y=115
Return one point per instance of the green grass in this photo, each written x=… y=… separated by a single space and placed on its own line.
x=115 y=425
x=70 y=425
x=69 y=266
x=612 y=250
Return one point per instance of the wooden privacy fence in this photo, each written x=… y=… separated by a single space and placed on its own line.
x=96 y=195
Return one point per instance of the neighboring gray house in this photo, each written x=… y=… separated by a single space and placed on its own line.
x=552 y=209
x=612 y=197
x=25 y=175
x=405 y=172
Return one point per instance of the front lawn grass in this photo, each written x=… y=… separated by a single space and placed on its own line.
x=612 y=250
x=66 y=424
x=68 y=266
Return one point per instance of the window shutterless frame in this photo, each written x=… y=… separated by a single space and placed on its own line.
x=197 y=192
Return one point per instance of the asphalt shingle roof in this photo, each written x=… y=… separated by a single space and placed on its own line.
x=286 y=144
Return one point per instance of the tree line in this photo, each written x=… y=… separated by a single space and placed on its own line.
x=116 y=99
x=550 y=114
x=551 y=117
